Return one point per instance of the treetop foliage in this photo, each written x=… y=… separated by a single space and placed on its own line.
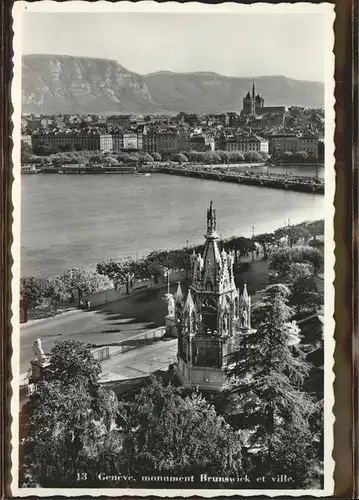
x=54 y=289
x=282 y=258
x=170 y=432
x=71 y=418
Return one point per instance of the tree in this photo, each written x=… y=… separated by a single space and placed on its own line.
x=252 y=156
x=294 y=233
x=124 y=157
x=118 y=271
x=37 y=160
x=265 y=240
x=179 y=158
x=241 y=244
x=235 y=156
x=224 y=156
x=36 y=289
x=156 y=156
x=86 y=280
x=195 y=156
x=304 y=292
x=281 y=259
x=71 y=419
x=213 y=157
x=265 y=375
x=57 y=291
x=264 y=155
x=146 y=157
x=174 y=434
x=72 y=362
x=315 y=228
x=168 y=259
x=96 y=158
x=294 y=455
x=316 y=423
x=111 y=161
x=25 y=152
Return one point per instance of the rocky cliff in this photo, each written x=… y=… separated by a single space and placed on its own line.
x=64 y=84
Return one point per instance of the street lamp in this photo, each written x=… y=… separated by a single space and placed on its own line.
x=253 y=242
x=187 y=253
x=167 y=273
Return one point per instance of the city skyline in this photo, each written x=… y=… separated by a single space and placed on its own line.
x=186 y=43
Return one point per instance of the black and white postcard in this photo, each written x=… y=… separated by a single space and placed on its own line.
x=173 y=297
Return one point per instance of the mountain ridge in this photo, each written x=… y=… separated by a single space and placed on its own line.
x=62 y=84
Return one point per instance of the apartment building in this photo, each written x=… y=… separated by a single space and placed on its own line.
x=86 y=140
x=293 y=143
x=280 y=143
x=130 y=140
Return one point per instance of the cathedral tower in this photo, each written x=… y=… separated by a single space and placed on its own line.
x=252 y=102
x=213 y=315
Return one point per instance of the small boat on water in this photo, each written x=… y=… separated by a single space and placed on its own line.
x=143 y=174
x=30 y=169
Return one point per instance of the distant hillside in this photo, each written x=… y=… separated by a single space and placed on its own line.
x=54 y=84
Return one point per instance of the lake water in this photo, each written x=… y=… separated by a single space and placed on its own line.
x=75 y=220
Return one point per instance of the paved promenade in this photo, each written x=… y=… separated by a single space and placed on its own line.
x=107 y=325
x=140 y=362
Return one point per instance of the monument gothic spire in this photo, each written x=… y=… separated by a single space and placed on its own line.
x=209 y=321
x=211 y=220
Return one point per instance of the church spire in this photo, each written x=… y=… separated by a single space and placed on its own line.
x=253 y=90
x=211 y=219
x=179 y=295
x=245 y=296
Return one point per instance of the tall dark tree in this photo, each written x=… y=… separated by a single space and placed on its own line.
x=265 y=376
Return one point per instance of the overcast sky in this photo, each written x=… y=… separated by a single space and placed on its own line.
x=230 y=44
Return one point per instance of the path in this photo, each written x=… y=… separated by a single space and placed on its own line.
x=140 y=362
x=106 y=325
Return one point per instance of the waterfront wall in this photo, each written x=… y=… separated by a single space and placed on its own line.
x=139 y=340
x=100 y=298
x=270 y=181
x=111 y=295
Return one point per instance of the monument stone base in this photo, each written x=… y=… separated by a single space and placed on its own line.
x=202 y=377
x=38 y=369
